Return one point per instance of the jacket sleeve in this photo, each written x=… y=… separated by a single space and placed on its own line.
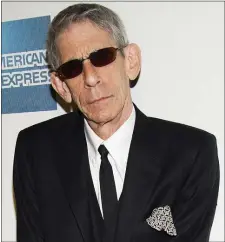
x=27 y=210
x=195 y=206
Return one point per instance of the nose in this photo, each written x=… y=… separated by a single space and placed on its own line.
x=90 y=76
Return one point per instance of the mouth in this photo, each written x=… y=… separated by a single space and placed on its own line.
x=100 y=100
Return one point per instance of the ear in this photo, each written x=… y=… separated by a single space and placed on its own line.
x=133 y=60
x=61 y=88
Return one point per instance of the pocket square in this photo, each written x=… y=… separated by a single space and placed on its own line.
x=161 y=219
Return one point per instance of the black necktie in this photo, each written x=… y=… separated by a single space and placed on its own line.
x=108 y=194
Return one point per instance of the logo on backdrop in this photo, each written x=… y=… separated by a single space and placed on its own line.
x=25 y=78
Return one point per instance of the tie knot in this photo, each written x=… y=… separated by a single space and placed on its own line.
x=103 y=151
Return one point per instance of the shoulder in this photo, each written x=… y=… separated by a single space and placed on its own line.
x=181 y=136
x=172 y=128
x=52 y=127
x=184 y=143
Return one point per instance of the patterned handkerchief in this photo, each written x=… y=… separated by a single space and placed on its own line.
x=161 y=219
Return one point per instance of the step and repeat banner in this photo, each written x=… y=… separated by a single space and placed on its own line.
x=182 y=76
x=25 y=75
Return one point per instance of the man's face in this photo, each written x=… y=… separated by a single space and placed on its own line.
x=100 y=92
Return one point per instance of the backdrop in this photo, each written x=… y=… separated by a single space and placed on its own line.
x=182 y=77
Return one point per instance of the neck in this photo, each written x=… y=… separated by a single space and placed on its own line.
x=105 y=130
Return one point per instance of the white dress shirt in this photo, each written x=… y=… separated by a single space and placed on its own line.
x=118 y=146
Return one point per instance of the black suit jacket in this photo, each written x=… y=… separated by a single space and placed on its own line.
x=168 y=164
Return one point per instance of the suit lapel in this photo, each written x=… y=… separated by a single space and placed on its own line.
x=73 y=170
x=141 y=177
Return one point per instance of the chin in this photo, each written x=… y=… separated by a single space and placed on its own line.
x=102 y=116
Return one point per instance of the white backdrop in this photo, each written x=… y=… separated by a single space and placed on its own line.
x=182 y=77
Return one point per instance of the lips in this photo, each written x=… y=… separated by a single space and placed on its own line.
x=99 y=100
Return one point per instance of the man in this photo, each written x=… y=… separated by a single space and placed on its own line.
x=107 y=172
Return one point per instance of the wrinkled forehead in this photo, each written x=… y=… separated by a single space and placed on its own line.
x=78 y=40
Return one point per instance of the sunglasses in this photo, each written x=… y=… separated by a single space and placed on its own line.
x=98 y=58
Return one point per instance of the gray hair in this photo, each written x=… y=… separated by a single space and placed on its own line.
x=103 y=17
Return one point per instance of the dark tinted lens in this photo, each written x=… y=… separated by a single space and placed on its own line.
x=103 y=57
x=70 y=69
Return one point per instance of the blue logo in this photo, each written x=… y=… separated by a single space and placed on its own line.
x=25 y=78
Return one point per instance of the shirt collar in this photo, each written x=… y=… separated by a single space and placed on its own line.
x=93 y=141
x=118 y=144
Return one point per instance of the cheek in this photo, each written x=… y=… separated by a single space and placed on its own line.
x=122 y=85
x=118 y=77
x=75 y=90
